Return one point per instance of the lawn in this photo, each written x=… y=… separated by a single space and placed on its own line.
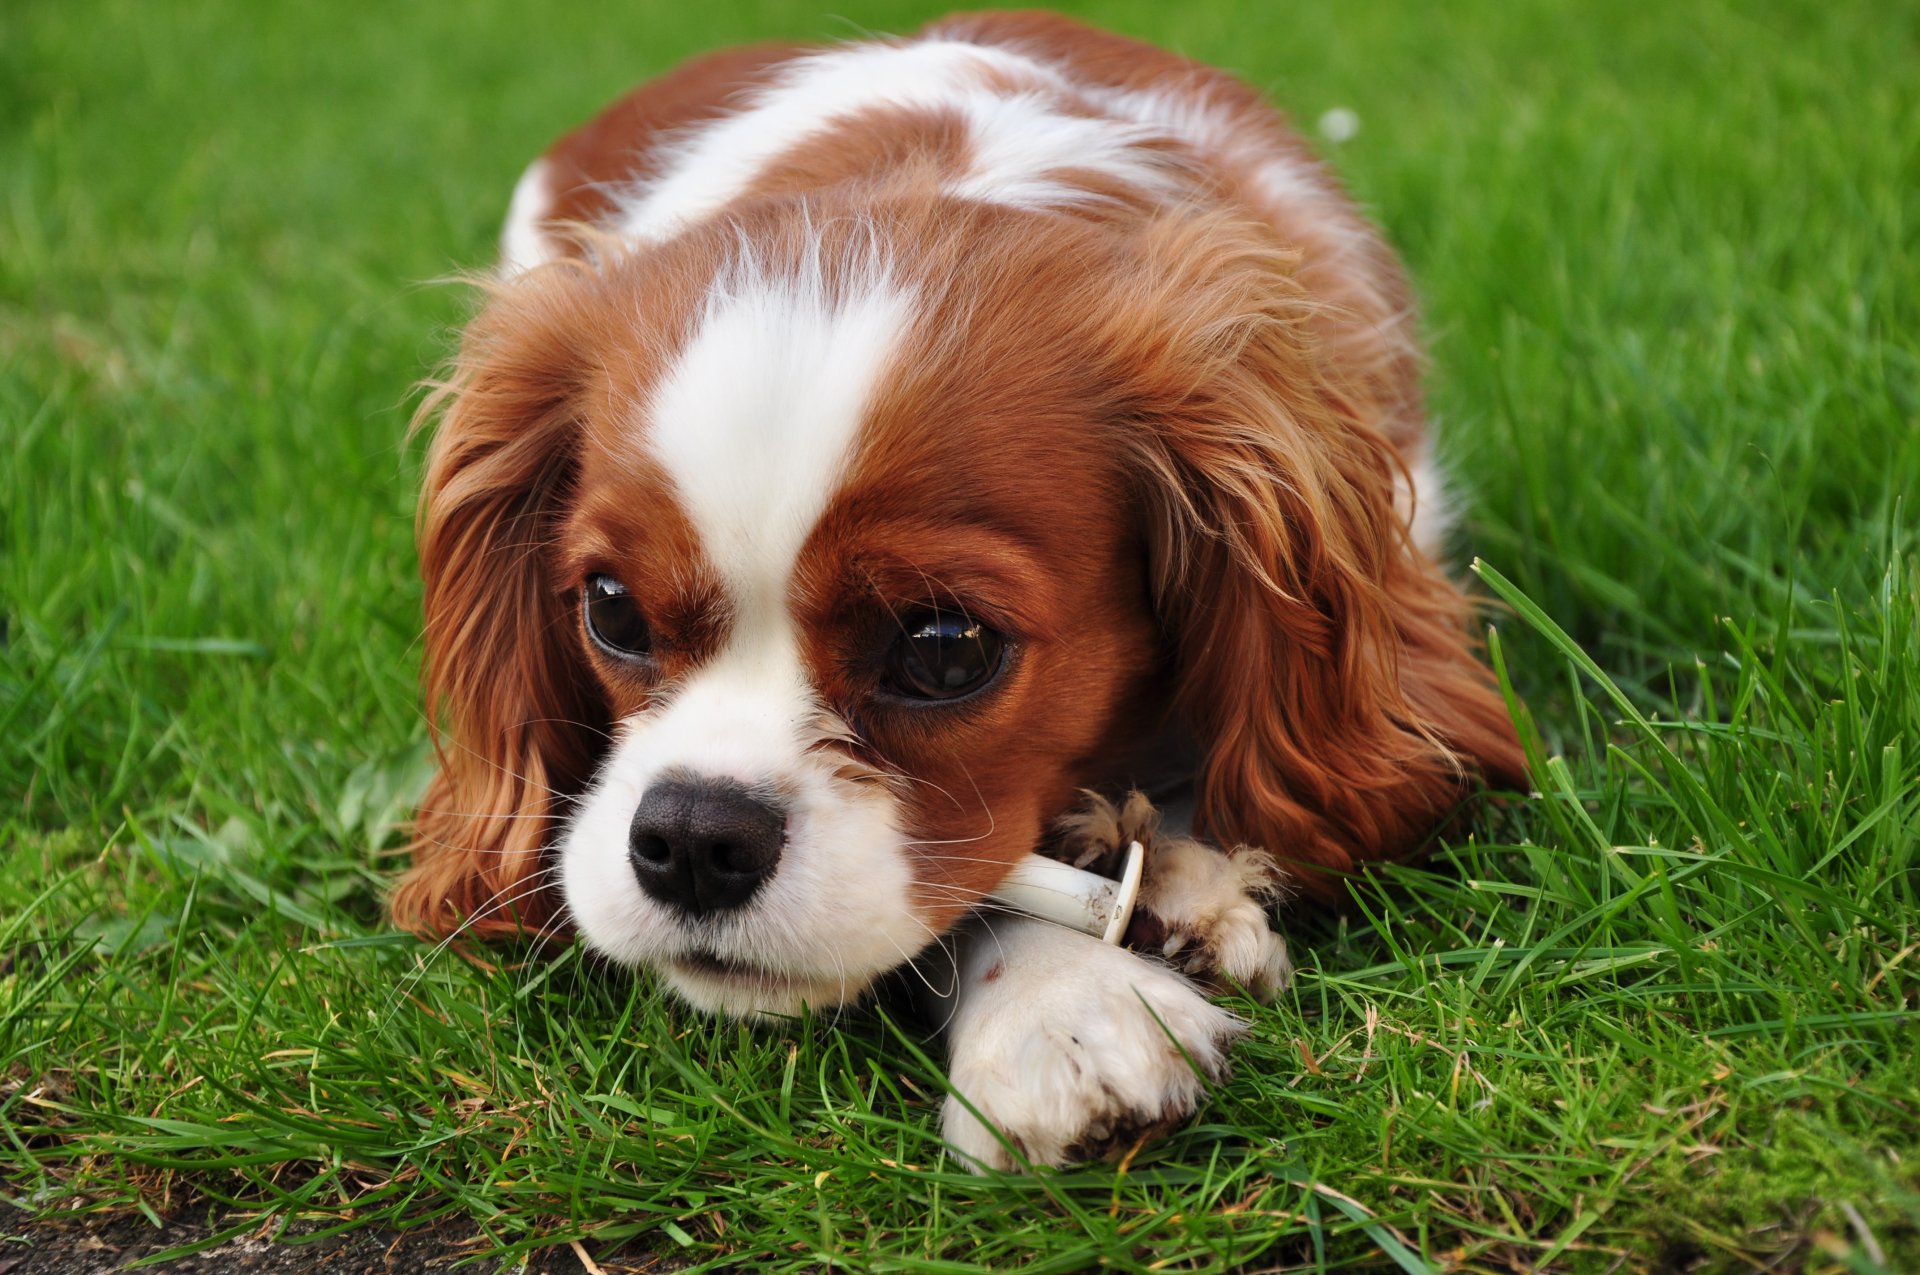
x=1664 y=1013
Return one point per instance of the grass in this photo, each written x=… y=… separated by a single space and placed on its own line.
x=1664 y=1014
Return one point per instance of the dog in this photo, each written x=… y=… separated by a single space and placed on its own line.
x=870 y=464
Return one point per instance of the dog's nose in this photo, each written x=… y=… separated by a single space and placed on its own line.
x=704 y=845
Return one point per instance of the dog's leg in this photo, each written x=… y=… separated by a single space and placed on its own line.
x=1074 y=1049
x=1202 y=908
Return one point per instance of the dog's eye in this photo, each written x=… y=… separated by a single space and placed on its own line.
x=613 y=618
x=941 y=655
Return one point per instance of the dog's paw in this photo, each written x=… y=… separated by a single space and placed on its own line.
x=1096 y=836
x=1201 y=908
x=1205 y=910
x=1073 y=1049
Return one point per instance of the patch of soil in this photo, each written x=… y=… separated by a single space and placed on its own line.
x=108 y=1245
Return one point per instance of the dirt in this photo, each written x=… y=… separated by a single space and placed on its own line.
x=102 y=1246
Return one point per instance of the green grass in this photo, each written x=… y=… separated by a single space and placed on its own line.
x=1663 y=1015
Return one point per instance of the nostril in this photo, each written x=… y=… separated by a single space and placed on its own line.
x=653 y=848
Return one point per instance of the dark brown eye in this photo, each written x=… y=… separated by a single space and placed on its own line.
x=942 y=655
x=613 y=618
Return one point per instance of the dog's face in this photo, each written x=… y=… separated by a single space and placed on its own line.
x=786 y=580
x=844 y=544
x=858 y=640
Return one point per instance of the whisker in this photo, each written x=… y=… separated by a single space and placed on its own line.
x=568 y=721
x=533 y=883
x=483 y=758
x=482 y=814
x=464 y=849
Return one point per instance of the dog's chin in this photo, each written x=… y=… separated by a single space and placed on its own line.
x=718 y=985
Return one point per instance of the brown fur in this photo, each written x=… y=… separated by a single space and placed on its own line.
x=519 y=718
x=1326 y=665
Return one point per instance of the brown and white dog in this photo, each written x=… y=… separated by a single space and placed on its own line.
x=863 y=453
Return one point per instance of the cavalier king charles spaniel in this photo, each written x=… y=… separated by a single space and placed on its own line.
x=870 y=465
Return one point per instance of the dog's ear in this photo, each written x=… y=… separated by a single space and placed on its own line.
x=516 y=715
x=1327 y=666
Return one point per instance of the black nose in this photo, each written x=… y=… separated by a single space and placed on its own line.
x=704 y=845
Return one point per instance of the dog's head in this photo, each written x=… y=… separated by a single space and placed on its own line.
x=786 y=580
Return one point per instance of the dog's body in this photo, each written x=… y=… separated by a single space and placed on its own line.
x=866 y=450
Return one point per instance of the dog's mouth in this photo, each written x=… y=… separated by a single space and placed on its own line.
x=713 y=965
x=715 y=982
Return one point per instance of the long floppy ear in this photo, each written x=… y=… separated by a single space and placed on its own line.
x=517 y=718
x=1327 y=666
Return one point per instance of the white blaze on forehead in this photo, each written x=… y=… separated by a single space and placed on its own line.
x=755 y=424
x=757 y=419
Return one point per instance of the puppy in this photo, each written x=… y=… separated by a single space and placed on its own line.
x=865 y=452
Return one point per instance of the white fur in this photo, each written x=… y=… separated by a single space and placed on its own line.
x=1023 y=143
x=1213 y=905
x=523 y=244
x=1019 y=135
x=1025 y=130
x=1292 y=191
x=1426 y=500
x=714 y=164
x=755 y=424
x=1062 y=1041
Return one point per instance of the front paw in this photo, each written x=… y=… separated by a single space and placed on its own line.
x=1075 y=1050
x=1096 y=836
x=1202 y=908
x=1206 y=911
